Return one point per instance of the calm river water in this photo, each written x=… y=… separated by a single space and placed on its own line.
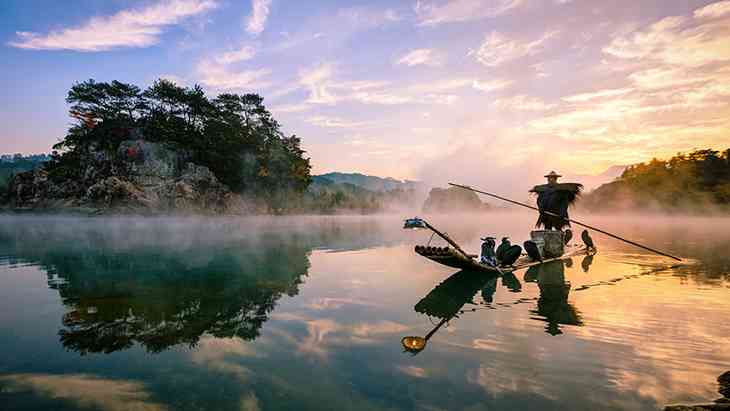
x=309 y=312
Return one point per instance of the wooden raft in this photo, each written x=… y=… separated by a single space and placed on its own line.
x=452 y=258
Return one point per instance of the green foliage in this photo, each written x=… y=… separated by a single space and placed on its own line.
x=327 y=196
x=233 y=135
x=685 y=181
x=11 y=165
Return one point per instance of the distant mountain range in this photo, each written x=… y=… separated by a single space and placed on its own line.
x=371 y=183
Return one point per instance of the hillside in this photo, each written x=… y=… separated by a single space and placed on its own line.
x=372 y=183
x=337 y=192
x=12 y=164
x=166 y=148
x=686 y=182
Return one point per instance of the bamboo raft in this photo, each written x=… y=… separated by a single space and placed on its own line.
x=452 y=257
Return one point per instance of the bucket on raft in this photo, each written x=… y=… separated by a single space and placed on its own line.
x=549 y=242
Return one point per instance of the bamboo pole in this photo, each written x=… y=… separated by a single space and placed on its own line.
x=569 y=220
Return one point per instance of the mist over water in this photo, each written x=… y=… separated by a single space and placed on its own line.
x=309 y=312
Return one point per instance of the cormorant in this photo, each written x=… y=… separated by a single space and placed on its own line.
x=587 y=240
x=510 y=255
x=502 y=248
x=567 y=236
x=488 y=256
x=532 y=250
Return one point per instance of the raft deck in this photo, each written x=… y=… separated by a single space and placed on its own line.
x=453 y=258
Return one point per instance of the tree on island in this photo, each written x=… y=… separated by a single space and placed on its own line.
x=234 y=135
x=685 y=182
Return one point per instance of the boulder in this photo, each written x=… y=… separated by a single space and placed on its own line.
x=113 y=192
x=140 y=176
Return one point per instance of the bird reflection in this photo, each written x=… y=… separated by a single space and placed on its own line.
x=586 y=263
x=446 y=301
x=553 y=306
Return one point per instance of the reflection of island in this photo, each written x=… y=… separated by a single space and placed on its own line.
x=163 y=300
x=553 y=306
x=163 y=293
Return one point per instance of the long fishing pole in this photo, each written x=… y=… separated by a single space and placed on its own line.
x=569 y=220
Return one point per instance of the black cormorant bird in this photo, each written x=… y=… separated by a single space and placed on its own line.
x=510 y=255
x=532 y=250
x=502 y=248
x=587 y=240
x=567 y=236
x=488 y=255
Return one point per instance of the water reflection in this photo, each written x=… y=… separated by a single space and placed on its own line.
x=445 y=302
x=163 y=287
x=553 y=306
x=165 y=299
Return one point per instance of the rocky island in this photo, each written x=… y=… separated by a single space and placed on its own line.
x=165 y=149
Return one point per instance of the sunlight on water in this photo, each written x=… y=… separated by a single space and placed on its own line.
x=311 y=313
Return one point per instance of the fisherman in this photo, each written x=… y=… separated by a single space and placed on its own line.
x=555 y=198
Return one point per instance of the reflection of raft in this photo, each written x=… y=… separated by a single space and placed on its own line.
x=453 y=258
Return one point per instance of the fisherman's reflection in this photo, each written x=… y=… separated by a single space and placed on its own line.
x=553 y=306
x=446 y=301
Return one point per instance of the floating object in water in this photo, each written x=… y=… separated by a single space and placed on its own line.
x=502 y=248
x=587 y=240
x=532 y=250
x=511 y=254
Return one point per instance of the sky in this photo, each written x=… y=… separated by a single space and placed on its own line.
x=490 y=91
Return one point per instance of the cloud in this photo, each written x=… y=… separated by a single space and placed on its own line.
x=324 y=89
x=234 y=56
x=364 y=17
x=715 y=10
x=88 y=391
x=522 y=102
x=597 y=94
x=133 y=28
x=491 y=85
x=256 y=22
x=290 y=108
x=678 y=41
x=426 y=57
x=220 y=77
x=429 y=13
x=497 y=49
x=317 y=80
x=333 y=122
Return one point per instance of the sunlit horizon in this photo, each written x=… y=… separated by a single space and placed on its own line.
x=423 y=90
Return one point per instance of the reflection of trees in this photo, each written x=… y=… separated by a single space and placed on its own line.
x=553 y=306
x=163 y=295
x=159 y=301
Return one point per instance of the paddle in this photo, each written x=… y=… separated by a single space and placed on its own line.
x=569 y=220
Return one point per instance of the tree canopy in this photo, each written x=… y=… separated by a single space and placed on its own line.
x=685 y=181
x=232 y=134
